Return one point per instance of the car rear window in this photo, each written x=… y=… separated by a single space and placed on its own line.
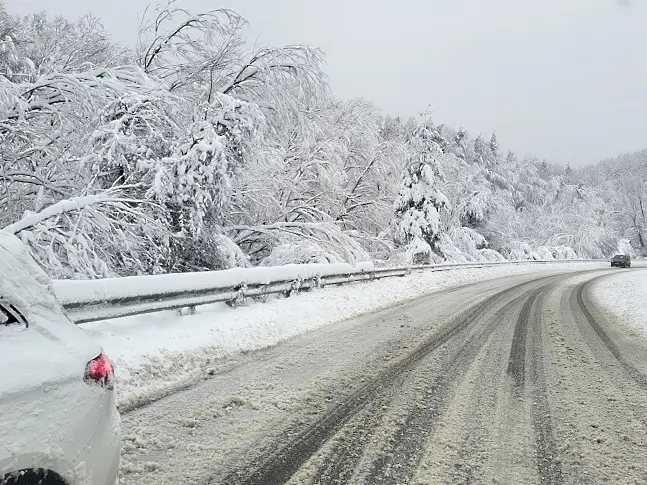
x=10 y=315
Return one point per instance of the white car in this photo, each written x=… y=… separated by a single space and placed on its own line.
x=58 y=419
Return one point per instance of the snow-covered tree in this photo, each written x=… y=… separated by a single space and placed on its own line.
x=625 y=182
x=207 y=50
x=494 y=145
x=421 y=200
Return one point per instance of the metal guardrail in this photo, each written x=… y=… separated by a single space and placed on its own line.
x=96 y=303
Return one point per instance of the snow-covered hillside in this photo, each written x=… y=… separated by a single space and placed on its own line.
x=194 y=153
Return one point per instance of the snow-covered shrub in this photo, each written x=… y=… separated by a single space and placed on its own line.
x=207 y=251
x=451 y=253
x=464 y=244
x=302 y=252
x=417 y=251
x=544 y=253
x=489 y=255
x=519 y=251
x=562 y=252
x=467 y=240
x=550 y=253
x=326 y=241
x=232 y=256
x=378 y=246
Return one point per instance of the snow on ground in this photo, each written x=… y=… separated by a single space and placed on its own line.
x=158 y=353
x=625 y=295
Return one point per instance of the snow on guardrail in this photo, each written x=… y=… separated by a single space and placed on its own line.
x=89 y=291
x=103 y=299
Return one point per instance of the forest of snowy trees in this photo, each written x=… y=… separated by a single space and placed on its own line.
x=195 y=151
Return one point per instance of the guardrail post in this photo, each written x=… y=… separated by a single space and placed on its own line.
x=240 y=299
x=187 y=310
x=312 y=283
x=264 y=294
x=295 y=286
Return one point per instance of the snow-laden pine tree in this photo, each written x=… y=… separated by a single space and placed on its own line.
x=494 y=146
x=420 y=201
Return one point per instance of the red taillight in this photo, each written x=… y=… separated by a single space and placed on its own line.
x=100 y=370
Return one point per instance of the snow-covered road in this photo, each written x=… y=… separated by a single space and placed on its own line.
x=157 y=354
x=516 y=380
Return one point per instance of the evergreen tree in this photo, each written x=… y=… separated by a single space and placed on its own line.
x=494 y=145
x=420 y=201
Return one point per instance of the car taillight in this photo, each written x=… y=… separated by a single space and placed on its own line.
x=100 y=370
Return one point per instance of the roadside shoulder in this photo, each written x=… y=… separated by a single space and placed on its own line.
x=623 y=298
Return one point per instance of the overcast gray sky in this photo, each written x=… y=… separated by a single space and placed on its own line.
x=561 y=79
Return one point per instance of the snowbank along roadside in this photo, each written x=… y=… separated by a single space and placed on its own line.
x=158 y=353
x=624 y=296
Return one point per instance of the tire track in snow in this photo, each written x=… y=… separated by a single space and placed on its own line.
x=487 y=393
x=280 y=466
x=411 y=439
x=547 y=452
x=517 y=361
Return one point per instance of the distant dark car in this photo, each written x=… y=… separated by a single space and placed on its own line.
x=622 y=260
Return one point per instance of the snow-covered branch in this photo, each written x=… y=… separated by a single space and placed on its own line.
x=69 y=205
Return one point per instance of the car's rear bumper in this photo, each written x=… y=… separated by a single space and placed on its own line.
x=98 y=463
